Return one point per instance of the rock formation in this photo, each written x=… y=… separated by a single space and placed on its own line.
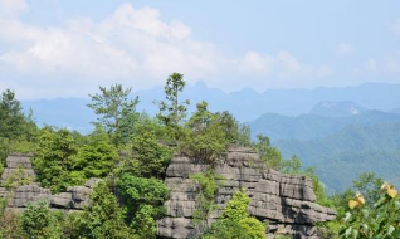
x=18 y=167
x=286 y=202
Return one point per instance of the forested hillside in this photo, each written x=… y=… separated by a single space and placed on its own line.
x=355 y=149
x=311 y=126
x=130 y=151
x=365 y=141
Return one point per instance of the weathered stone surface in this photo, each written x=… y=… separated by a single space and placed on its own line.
x=286 y=201
x=18 y=166
x=75 y=198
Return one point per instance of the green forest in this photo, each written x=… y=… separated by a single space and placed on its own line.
x=63 y=158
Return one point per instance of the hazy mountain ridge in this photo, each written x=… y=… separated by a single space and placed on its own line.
x=246 y=105
x=356 y=148
x=337 y=109
x=311 y=126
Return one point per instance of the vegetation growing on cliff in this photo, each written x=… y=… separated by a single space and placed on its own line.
x=64 y=158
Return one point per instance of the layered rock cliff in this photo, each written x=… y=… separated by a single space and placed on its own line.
x=18 y=167
x=286 y=202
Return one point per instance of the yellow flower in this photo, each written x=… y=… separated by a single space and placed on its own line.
x=360 y=198
x=389 y=189
x=353 y=204
x=384 y=186
x=359 y=201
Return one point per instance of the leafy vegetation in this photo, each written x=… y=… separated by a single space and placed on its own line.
x=130 y=151
x=235 y=222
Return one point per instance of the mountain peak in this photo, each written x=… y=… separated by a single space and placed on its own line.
x=337 y=109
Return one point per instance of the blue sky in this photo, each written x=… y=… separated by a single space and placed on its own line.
x=64 y=48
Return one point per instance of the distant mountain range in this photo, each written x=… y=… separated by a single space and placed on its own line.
x=340 y=143
x=341 y=131
x=340 y=157
x=337 y=109
x=246 y=105
x=395 y=110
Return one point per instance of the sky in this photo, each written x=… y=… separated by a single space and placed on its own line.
x=67 y=48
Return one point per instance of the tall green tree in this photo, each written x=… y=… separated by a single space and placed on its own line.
x=38 y=222
x=152 y=158
x=235 y=221
x=96 y=158
x=12 y=119
x=102 y=219
x=172 y=111
x=206 y=137
x=54 y=159
x=116 y=112
x=145 y=202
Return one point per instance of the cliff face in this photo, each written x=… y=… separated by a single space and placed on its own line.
x=287 y=202
x=18 y=167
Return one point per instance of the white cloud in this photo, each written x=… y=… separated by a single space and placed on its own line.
x=12 y=8
x=344 y=49
x=134 y=47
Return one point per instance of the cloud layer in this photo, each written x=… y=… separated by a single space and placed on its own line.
x=131 y=46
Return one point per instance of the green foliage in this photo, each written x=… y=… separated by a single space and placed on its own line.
x=12 y=120
x=206 y=138
x=10 y=224
x=172 y=112
x=116 y=112
x=152 y=158
x=270 y=155
x=208 y=185
x=145 y=201
x=54 y=159
x=103 y=219
x=39 y=222
x=368 y=185
x=351 y=151
x=17 y=178
x=379 y=221
x=94 y=159
x=235 y=222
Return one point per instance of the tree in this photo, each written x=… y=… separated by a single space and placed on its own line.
x=205 y=201
x=207 y=137
x=102 y=219
x=368 y=184
x=116 y=112
x=39 y=222
x=96 y=158
x=152 y=157
x=270 y=155
x=235 y=222
x=11 y=116
x=145 y=201
x=54 y=159
x=380 y=221
x=235 y=132
x=172 y=112
x=10 y=223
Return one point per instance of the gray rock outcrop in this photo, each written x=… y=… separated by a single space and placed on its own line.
x=18 y=167
x=287 y=202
